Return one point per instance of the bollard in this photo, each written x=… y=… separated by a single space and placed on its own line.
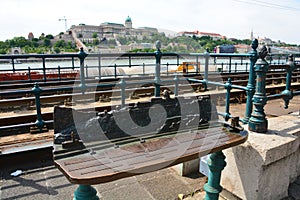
x=216 y=164
x=287 y=93
x=157 y=80
x=251 y=81
x=39 y=122
x=258 y=122
x=82 y=55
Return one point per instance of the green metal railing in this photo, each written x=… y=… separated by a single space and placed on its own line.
x=255 y=89
x=257 y=71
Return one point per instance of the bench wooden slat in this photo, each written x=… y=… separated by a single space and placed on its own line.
x=156 y=153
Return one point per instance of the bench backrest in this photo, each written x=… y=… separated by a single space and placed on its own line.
x=156 y=116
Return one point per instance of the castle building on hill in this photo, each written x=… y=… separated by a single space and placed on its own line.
x=111 y=30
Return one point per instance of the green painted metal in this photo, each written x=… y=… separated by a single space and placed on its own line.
x=216 y=164
x=287 y=93
x=157 y=81
x=85 y=192
x=228 y=87
x=37 y=92
x=206 y=56
x=258 y=122
x=176 y=89
x=123 y=93
x=82 y=55
x=251 y=82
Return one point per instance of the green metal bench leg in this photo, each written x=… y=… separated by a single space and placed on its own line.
x=85 y=192
x=216 y=164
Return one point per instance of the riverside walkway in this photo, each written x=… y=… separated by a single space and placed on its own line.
x=273 y=139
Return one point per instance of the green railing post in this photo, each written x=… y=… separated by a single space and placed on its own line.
x=37 y=92
x=158 y=56
x=59 y=75
x=206 y=68
x=216 y=164
x=176 y=89
x=287 y=93
x=258 y=122
x=99 y=66
x=85 y=192
x=29 y=74
x=251 y=81
x=228 y=87
x=115 y=70
x=13 y=64
x=123 y=94
x=44 y=69
x=82 y=55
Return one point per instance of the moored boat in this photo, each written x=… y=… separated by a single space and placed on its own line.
x=15 y=76
x=186 y=67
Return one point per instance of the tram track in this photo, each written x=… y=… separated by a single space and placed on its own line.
x=18 y=115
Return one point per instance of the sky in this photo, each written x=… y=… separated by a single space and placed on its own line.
x=276 y=19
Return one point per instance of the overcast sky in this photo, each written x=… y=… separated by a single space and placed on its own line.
x=276 y=19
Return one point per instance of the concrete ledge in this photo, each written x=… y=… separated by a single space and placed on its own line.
x=265 y=165
x=188 y=167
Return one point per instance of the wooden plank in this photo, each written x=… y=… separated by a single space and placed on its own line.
x=156 y=153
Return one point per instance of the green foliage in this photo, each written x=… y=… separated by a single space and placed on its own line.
x=56 y=50
x=36 y=45
x=50 y=37
x=95 y=35
x=180 y=44
x=96 y=41
x=60 y=44
x=47 y=42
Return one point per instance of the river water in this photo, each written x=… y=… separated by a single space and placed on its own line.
x=123 y=66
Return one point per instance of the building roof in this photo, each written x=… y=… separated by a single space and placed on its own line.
x=128 y=19
x=110 y=23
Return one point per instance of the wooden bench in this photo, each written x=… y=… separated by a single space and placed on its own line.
x=93 y=148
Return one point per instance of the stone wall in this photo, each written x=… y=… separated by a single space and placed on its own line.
x=265 y=165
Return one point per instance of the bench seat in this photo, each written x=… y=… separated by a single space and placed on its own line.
x=97 y=147
x=107 y=162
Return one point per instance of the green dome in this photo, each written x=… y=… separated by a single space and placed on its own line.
x=128 y=19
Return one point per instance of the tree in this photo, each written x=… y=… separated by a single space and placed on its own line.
x=96 y=41
x=47 y=42
x=95 y=35
x=49 y=36
x=56 y=50
x=60 y=44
